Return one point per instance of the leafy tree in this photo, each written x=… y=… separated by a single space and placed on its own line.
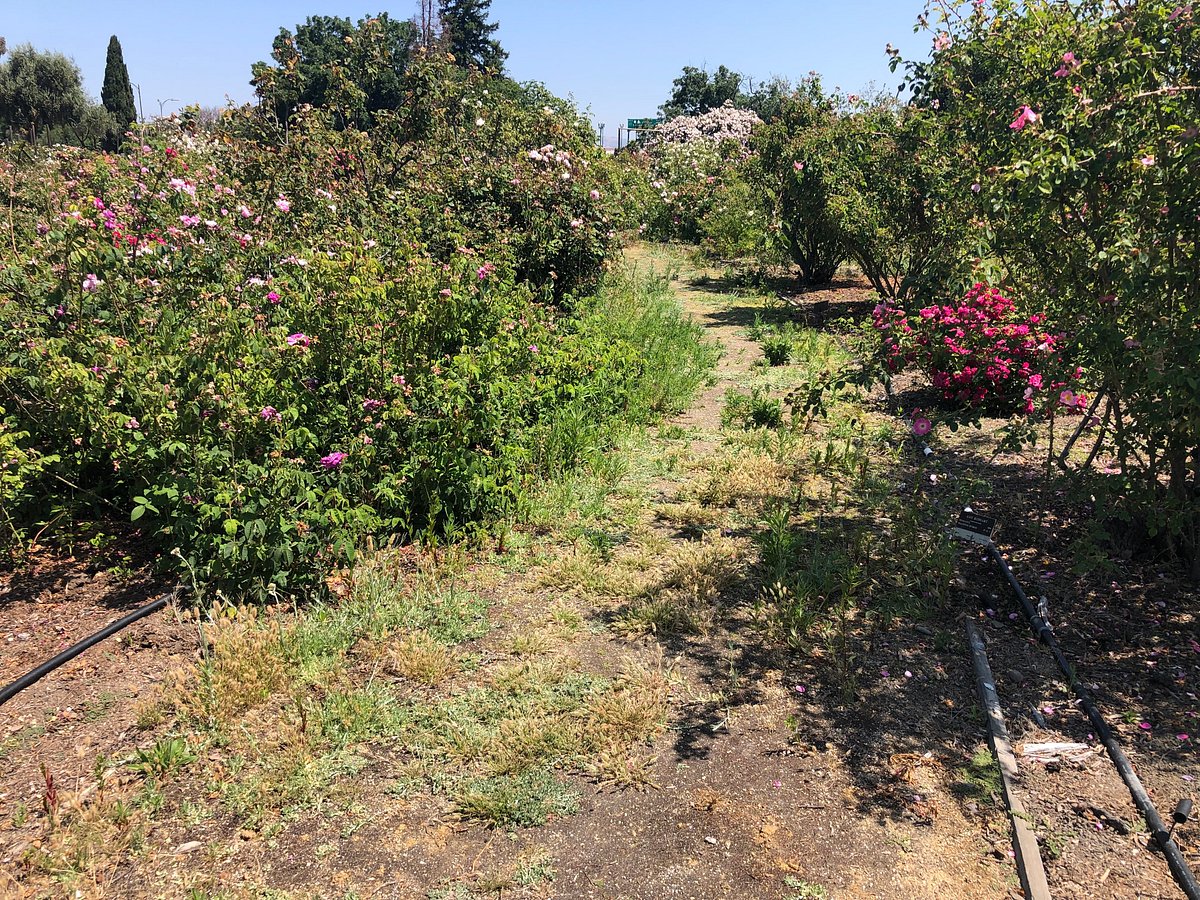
x=768 y=98
x=39 y=90
x=94 y=129
x=695 y=91
x=117 y=92
x=468 y=33
x=353 y=70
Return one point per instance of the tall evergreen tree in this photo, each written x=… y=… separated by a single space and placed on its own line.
x=469 y=34
x=117 y=92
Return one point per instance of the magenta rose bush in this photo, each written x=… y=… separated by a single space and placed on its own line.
x=980 y=353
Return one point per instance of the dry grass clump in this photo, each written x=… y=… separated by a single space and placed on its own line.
x=749 y=475
x=418 y=657
x=684 y=595
x=689 y=515
x=242 y=665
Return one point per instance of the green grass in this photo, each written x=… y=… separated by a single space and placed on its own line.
x=642 y=310
x=798 y=889
x=527 y=799
x=979 y=779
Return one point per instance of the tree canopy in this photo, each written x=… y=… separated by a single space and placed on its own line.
x=353 y=70
x=468 y=33
x=695 y=91
x=39 y=89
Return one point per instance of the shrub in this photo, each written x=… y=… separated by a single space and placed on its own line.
x=264 y=352
x=980 y=352
x=1072 y=129
x=777 y=349
x=785 y=148
x=865 y=180
x=754 y=410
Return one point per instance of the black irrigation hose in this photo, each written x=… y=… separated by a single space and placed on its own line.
x=10 y=691
x=1179 y=867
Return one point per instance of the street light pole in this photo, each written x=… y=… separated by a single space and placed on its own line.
x=161 y=103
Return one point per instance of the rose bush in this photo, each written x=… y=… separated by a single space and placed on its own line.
x=980 y=352
x=1074 y=130
x=263 y=351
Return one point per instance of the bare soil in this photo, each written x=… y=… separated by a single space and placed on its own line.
x=772 y=779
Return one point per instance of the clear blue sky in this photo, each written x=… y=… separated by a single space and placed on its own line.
x=614 y=57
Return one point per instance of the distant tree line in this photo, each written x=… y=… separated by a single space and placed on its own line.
x=353 y=70
x=696 y=91
x=42 y=98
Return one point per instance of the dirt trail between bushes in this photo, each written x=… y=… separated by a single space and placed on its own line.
x=768 y=782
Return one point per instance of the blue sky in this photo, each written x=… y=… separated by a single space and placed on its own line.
x=615 y=57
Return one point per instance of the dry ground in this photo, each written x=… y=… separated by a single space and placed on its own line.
x=605 y=709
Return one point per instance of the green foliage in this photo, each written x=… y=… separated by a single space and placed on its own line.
x=526 y=799
x=21 y=469
x=468 y=34
x=864 y=180
x=352 y=70
x=117 y=92
x=777 y=349
x=264 y=353
x=979 y=778
x=696 y=91
x=758 y=409
x=770 y=98
x=1071 y=127
x=167 y=756
x=95 y=129
x=883 y=197
x=785 y=148
x=642 y=312
x=39 y=90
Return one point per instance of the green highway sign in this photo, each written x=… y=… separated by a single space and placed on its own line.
x=644 y=123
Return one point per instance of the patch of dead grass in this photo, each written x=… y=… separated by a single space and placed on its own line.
x=748 y=475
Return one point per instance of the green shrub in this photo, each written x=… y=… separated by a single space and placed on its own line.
x=265 y=351
x=777 y=348
x=1072 y=130
x=754 y=410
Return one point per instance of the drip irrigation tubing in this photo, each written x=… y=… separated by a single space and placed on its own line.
x=1179 y=868
x=32 y=677
x=1182 y=873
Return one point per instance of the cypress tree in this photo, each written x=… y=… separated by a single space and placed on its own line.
x=117 y=93
x=465 y=24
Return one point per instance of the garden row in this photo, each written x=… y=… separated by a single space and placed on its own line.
x=265 y=345
x=1029 y=218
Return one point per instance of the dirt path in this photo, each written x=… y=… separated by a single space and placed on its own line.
x=757 y=779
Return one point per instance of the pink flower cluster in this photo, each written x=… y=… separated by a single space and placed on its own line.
x=1069 y=64
x=979 y=351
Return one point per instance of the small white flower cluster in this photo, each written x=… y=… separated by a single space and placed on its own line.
x=551 y=157
x=723 y=123
x=548 y=154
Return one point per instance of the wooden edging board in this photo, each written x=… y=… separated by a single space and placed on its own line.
x=1029 y=858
